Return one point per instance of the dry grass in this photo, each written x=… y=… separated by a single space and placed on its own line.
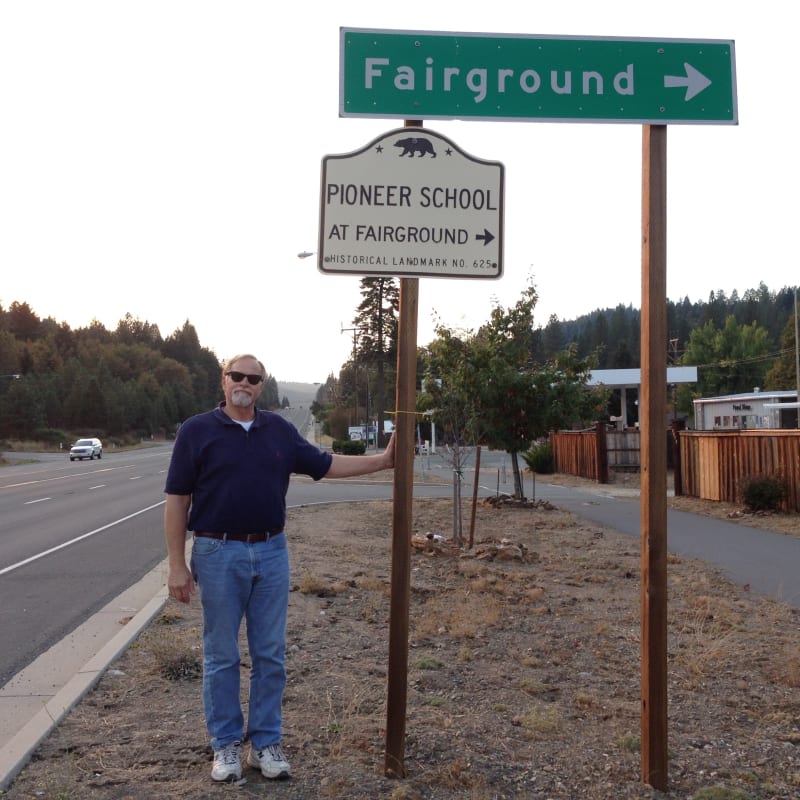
x=177 y=654
x=313 y=584
x=523 y=678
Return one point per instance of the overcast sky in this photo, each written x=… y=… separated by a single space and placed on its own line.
x=163 y=159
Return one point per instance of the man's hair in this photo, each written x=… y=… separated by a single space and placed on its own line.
x=226 y=365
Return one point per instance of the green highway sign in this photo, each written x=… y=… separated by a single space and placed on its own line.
x=435 y=75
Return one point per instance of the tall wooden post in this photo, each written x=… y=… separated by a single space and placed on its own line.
x=653 y=409
x=602 y=451
x=797 y=353
x=406 y=397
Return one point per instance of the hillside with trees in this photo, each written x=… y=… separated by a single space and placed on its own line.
x=56 y=382
x=736 y=343
x=128 y=382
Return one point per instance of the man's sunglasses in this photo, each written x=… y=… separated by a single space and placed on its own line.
x=238 y=377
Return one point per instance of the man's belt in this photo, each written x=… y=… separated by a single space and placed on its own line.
x=261 y=536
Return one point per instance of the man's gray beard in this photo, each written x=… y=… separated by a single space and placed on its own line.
x=241 y=399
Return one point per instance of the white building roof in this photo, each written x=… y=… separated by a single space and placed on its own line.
x=617 y=378
x=745 y=396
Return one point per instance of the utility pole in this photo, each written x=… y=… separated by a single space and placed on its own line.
x=797 y=354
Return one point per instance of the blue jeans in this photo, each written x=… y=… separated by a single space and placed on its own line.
x=251 y=581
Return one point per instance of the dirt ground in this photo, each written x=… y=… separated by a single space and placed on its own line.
x=523 y=673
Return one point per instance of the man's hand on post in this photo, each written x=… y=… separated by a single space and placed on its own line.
x=390 y=451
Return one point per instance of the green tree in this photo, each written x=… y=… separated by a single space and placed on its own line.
x=730 y=360
x=10 y=350
x=716 y=309
x=553 y=338
x=22 y=321
x=506 y=399
x=601 y=338
x=448 y=398
x=45 y=356
x=325 y=403
x=783 y=373
x=376 y=325
x=130 y=331
x=269 y=397
x=22 y=408
x=183 y=345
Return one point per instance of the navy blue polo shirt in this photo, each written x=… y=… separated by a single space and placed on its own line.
x=238 y=479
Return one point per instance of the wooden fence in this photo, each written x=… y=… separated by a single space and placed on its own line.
x=713 y=463
x=594 y=452
x=583 y=453
x=708 y=464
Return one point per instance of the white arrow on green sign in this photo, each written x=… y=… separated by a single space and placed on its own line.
x=430 y=75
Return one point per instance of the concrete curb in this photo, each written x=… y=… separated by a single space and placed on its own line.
x=17 y=752
x=24 y=692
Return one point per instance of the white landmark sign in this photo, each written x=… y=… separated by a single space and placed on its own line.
x=411 y=203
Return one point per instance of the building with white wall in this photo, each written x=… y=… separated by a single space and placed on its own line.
x=757 y=409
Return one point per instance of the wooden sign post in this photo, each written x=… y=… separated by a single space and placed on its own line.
x=653 y=408
x=406 y=399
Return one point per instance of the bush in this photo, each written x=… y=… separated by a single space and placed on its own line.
x=348 y=447
x=763 y=492
x=51 y=436
x=540 y=459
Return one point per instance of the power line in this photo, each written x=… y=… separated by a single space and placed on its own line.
x=726 y=362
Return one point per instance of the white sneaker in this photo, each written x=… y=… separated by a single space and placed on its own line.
x=270 y=761
x=228 y=763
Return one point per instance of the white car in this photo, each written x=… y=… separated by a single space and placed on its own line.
x=86 y=448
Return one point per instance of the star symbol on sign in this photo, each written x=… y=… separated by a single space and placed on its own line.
x=449 y=151
x=379 y=149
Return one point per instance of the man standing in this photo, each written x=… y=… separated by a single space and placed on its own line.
x=227 y=483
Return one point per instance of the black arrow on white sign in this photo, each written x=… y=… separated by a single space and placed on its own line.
x=486 y=236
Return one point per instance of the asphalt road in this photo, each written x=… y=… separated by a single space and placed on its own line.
x=73 y=535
